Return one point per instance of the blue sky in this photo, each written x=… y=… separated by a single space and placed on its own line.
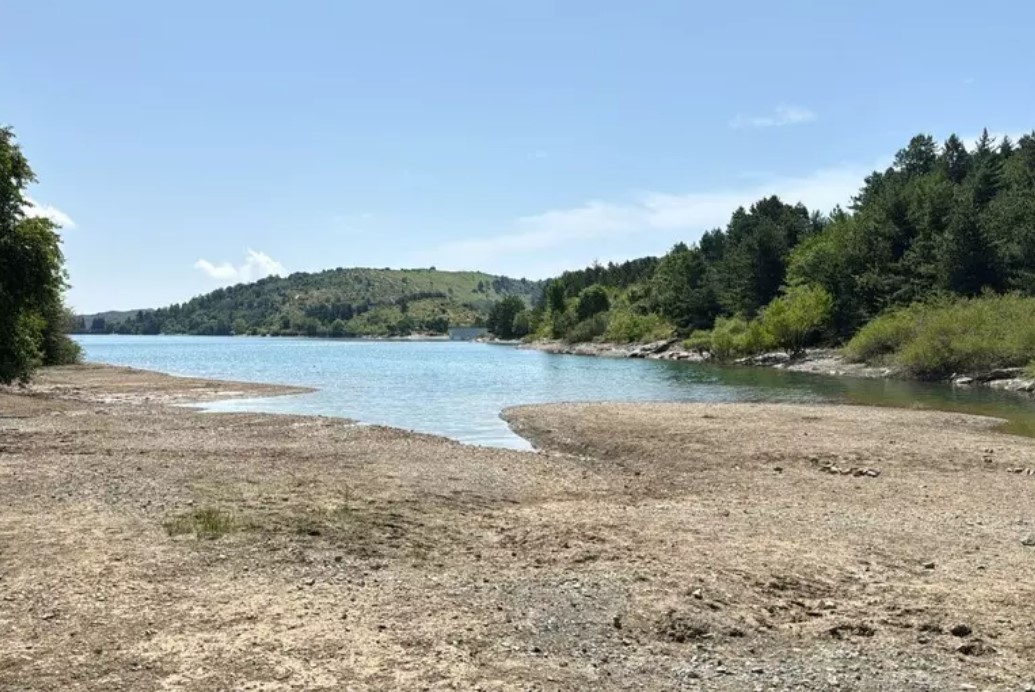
x=189 y=145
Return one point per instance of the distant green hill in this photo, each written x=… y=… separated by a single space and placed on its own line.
x=337 y=302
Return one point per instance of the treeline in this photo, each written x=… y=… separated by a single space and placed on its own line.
x=943 y=221
x=33 y=319
x=334 y=303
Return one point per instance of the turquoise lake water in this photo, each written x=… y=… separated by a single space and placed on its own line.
x=458 y=389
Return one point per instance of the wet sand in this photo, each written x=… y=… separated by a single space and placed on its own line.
x=654 y=546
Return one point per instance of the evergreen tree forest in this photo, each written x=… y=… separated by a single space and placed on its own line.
x=944 y=222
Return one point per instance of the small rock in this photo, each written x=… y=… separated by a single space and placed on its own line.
x=1029 y=541
x=929 y=565
x=975 y=648
x=961 y=630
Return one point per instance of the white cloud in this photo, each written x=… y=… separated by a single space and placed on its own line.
x=33 y=209
x=782 y=115
x=257 y=265
x=578 y=233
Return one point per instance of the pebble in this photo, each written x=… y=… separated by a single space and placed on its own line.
x=929 y=565
x=1029 y=541
x=961 y=630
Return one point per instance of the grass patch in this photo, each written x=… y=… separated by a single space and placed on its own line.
x=210 y=523
x=946 y=337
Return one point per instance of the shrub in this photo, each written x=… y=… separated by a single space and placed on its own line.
x=883 y=336
x=939 y=339
x=699 y=341
x=734 y=337
x=588 y=329
x=626 y=326
x=795 y=318
x=728 y=336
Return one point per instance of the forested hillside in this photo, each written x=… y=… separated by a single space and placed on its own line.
x=338 y=302
x=943 y=223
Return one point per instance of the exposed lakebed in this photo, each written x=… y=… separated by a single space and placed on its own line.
x=457 y=389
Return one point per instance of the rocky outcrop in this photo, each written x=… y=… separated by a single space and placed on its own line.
x=1006 y=379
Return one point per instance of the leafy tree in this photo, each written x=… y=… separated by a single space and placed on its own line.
x=338 y=329
x=555 y=298
x=592 y=301
x=682 y=291
x=33 y=321
x=522 y=324
x=795 y=318
x=501 y=317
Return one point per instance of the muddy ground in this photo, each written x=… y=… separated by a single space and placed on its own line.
x=726 y=547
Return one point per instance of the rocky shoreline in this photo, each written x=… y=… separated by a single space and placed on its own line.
x=645 y=546
x=820 y=361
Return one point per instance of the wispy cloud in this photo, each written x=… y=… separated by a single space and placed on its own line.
x=781 y=115
x=578 y=232
x=34 y=209
x=257 y=265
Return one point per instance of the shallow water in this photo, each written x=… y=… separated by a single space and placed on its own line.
x=458 y=389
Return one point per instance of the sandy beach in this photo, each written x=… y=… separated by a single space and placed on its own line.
x=147 y=546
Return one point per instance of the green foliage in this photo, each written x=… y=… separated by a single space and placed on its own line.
x=946 y=337
x=366 y=302
x=588 y=329
x=555 y=297
x=683 y=289
x=561 y=322
x=502 y=316
x=626 y=326
x=32 y=319
x=884 y=335
x=522 y=325
x=794 y=319
x=733 y=337
x=592 y=301
x=699 y=341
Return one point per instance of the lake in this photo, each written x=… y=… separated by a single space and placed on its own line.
x=457 y=389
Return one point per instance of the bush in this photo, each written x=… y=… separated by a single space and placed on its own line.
x=626 y=326
x=587 y=330
x=728 y=337
x=971 y=335
x=699 y=341
x=734 y=337
x=795 y=318
x=883 y=336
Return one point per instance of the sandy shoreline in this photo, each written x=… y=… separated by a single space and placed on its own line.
x=653 y=546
